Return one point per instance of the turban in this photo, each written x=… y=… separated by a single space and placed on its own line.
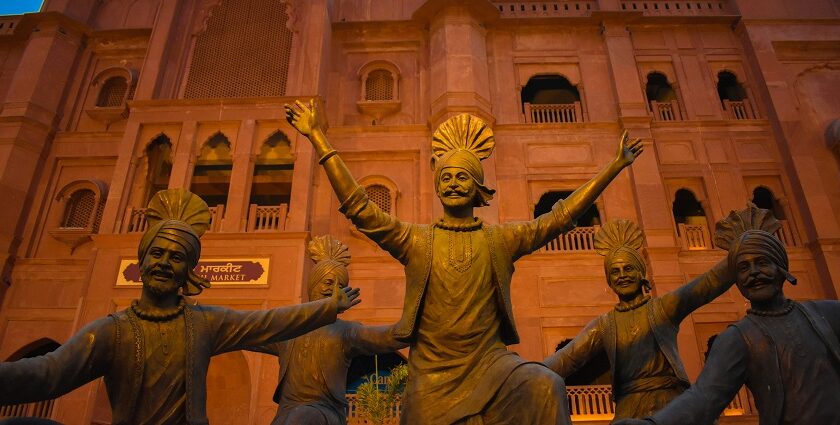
x=325 y=267
x=469 y=162
x=763 y=243
x=183 y=234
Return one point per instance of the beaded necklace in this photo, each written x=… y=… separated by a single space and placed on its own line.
x=466 y=227
x=773 y=313
x=158 y=316
x=632 y=306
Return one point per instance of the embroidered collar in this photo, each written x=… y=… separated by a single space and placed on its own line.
x=632 y=306
x=468 y=227
x=158 y=316
x=774 y=313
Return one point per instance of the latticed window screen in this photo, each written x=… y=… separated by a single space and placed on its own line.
x=379 y=85
x=380 y=195
x=244 y=52
x=113 y=92
x=80 y=207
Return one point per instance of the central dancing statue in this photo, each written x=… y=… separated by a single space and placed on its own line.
x=457 y=314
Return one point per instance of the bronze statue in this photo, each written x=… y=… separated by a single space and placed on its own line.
x=154 y=355
x=639 y=335
x=787 y=353
x=312 y=384
x=457 y=313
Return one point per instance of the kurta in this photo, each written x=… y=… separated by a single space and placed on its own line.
x=458 y=318
x=641 y=345
x=131 y=354
x=790 y=363
x=313 y=370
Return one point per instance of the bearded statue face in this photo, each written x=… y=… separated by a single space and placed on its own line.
x=625 y=278
x=165 y=267
x=456 y=188
x=324 y=287
x=758 y=277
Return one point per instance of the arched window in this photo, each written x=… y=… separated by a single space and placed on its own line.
x=381 y=196
x=690 y=218
x=158 y=166
x=764 y=198
x=113 y=92
x=589 y=218
x=662 y=98
x=244 y=51
x=80 y=210
x=733 y=97
x=272 y=182
x=211 y=175
x=551 y=99
x=379 y=85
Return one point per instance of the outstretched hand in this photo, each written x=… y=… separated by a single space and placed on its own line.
x=304 y=118
x=628 y=150
x=345 y=297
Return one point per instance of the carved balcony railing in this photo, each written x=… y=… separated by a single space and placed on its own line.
x=694 y=236
x=678 y=8
x=545 y=9
x=267 y=219
x=577 y=239
x=553 y=113
x=739 y=110
x=354 y=413
x=135 y=219
x=666 y=111
x=41 y=409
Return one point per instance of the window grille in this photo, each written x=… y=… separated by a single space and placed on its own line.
x=379 y=85
x=80 y=207
x=244 y=52
x=113 y=92
x=380 y=195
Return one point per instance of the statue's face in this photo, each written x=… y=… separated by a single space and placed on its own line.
x=164 y=268
x=758 y=278
x=456 y=188
x=324 y=288
x=625 y=278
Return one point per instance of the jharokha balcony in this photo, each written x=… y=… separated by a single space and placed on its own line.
x=694 y=237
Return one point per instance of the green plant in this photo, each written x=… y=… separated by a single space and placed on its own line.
x=378 y=405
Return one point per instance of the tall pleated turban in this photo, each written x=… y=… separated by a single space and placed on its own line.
x=178 y=216
x=622 y=239
x=330 y=256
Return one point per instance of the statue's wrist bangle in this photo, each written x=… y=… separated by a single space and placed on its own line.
x=327 y=156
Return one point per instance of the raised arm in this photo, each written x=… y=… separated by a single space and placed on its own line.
x=679 y=303
x=366 y=340
x=309 y=121
x=525 y=237
x=239 y=330
x=576 y=353
x=85 y=357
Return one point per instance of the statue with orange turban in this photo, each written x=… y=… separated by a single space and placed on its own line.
x=786 y=352
x=639 y=335
x=154 y=355
x=312 y=382
x=457 y=314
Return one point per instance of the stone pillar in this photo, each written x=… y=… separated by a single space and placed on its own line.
x=236 y=211
x=184 y=158
x=159 y=45
x=29 y=116
x=458 y=73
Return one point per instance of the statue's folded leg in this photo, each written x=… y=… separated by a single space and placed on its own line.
x=531 y=395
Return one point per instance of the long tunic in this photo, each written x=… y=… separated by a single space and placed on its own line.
x=458 y=365
x=803 y=388
x=641 y=344
x=129 y=353
x=312 y=379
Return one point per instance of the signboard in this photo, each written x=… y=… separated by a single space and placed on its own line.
x=224 y=271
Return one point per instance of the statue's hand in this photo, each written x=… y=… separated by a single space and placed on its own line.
x=303 y=118
x=628 y=150
x=345 y=297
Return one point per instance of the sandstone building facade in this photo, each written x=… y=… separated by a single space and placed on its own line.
x=102 y=103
